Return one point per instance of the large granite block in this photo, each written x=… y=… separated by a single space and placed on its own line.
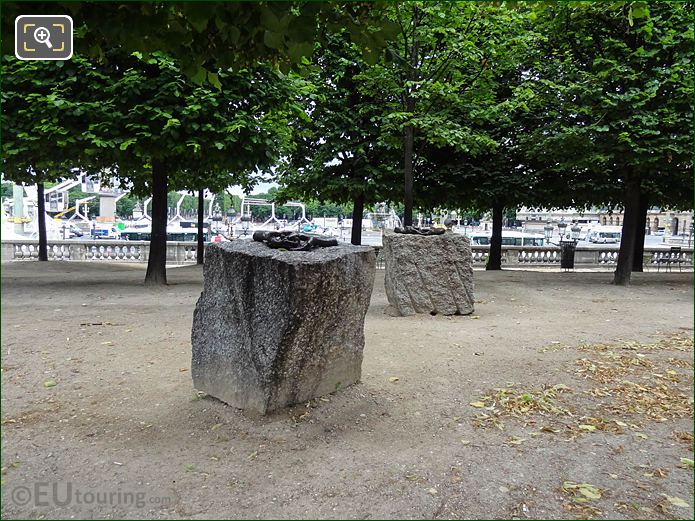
x=273 y=328
x=428 y=274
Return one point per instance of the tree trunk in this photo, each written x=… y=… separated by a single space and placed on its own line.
x=41 y=209
x=409 y=131
x=200 y=251
x=631 y=218
x=408 y=145
x=494 y=260
x=157 y=262
x=638 y=260
x=357 y=212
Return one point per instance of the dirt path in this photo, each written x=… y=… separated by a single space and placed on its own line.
x=123 y=418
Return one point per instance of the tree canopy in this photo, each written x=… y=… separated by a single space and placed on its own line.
x=436 y=104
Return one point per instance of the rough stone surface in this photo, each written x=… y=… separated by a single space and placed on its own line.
x=273 y=328
x=428 y=274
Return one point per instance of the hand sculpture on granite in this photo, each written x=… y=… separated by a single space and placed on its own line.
x=293 y=241
x=414 y=230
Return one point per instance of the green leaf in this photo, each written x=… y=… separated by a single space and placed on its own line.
x=200 y=74
x=640 y=10
x=128 y=142
x=273 y=40
x=214 y=80
x=297 y=51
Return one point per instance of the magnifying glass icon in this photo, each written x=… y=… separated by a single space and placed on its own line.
x=42 y=35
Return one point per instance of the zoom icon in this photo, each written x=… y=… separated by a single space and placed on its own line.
x=43 y=37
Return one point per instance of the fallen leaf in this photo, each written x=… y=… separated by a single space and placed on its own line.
x=411 y=477
x=676 y=501
x=589 y=491
x=107 y=343
x=589 y=428
x=641 y=435
x=432 y=491
x=477 y=405
x=50 y=383
x=467 y=442
x=393 y=379
x=547 y=428
x=183 y=369
x=475 y=317
x=687 y=462
x=216 y=426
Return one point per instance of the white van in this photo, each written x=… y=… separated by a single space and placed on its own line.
x=509 y=238
x=605 y=235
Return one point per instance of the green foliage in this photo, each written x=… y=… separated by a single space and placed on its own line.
x=116 y=117
x=210 y=36
x=45 y=109
x=206 y=137
x=616 y=87
x=6 y=190
x=338 y=154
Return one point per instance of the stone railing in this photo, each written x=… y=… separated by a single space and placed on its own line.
x=185 y=253
x=97 y=250
x=520 y=256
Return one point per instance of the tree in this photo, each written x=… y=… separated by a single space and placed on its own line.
x=436 y=56
x=165 y=132
x=149 y=123
x=492 y=170
x=338 y=155
x=364 y=115
x=44 y=104
x=621 y=75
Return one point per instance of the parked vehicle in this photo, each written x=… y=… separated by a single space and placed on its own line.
x=509 y=238
x=605 y=235
x=182 y=231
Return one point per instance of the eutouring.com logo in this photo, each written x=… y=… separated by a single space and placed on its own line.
x=53 y=494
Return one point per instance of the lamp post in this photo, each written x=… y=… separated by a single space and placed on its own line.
x=455 y=217
x=575 y=230
x=217 y=222
x=548 y=231
x=246 y=223
x=231 y=215
x=217 y=218
x=562 y=226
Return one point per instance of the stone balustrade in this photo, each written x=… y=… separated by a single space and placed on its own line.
x=185 y=253
x=521 y=256
x=97 y=250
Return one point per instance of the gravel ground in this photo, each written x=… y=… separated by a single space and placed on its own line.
x=562 y=396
